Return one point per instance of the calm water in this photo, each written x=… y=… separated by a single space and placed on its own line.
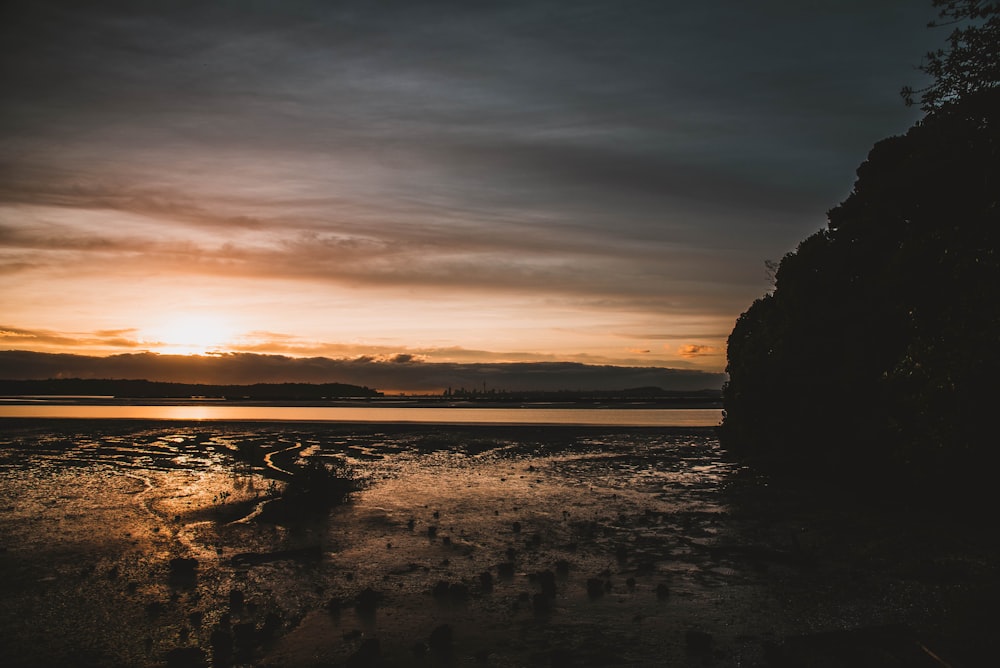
x=623 y=417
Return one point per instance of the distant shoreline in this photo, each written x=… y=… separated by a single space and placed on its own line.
x=368 y=402
x=140 y=392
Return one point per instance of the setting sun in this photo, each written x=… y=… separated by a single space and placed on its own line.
x=189 y=334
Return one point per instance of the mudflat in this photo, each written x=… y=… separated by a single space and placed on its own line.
x=134 y=543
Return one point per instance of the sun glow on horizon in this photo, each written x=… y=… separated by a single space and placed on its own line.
x=190 y=334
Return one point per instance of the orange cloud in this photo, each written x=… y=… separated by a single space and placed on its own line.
x=694 y=350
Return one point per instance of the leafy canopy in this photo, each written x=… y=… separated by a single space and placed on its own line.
x=970 y=64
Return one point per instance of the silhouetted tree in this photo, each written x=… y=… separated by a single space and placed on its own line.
x=878 y=347
x=971 y=63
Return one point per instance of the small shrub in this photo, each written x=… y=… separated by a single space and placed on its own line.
x=320 y=485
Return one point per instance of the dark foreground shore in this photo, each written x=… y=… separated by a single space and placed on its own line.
x=165 y=544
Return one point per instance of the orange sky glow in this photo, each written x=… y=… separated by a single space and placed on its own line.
x=453 y=183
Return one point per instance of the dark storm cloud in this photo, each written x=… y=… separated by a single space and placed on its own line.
x=648 y=97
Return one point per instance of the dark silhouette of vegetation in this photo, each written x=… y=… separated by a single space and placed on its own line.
x=970 y=64
x=146 y=389
x=317 y=485
x=877 y=351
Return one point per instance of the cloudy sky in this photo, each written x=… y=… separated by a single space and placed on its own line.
x=456 y=182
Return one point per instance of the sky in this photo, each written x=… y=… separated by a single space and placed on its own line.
x=436 y=182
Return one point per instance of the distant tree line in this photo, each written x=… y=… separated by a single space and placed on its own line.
x=146 y=389
x=877 y=354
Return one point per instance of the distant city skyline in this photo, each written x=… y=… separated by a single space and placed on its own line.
x=427 y=182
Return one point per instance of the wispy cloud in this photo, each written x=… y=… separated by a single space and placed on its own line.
x=695 y=350
x=425 y=174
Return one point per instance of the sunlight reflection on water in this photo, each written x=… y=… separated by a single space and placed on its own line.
x=632 y=417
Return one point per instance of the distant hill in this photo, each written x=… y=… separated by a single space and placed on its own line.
x=145 y=389
x=402 y=373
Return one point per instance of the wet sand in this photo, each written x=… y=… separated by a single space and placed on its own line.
x=137 y=543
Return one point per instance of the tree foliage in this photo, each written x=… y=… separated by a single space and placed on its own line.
x=879 y=346
x=970 y=64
